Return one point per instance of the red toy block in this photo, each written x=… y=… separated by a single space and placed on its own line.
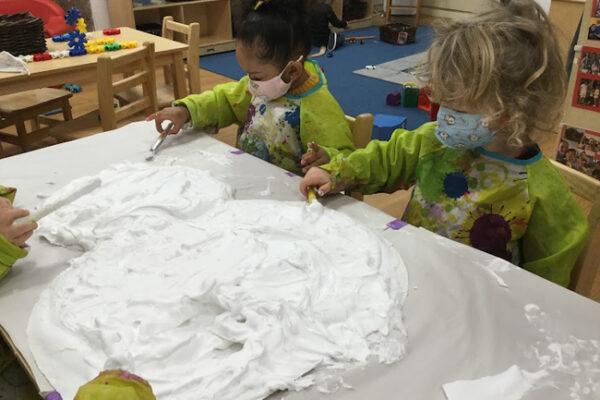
x=42 y=57
x=111 y=31
x=427 y=105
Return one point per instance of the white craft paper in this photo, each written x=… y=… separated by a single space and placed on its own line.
x=511 y=384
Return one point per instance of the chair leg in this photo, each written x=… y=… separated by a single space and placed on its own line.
x=67 y=111
x=22 y=132
x=35 y=124
x=168 y=75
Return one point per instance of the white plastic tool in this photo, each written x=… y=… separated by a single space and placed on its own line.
x=50 y=207
x=159 y=142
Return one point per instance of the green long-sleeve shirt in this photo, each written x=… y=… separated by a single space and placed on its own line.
x=276 y=131
x=9 y=253
x=517 y=209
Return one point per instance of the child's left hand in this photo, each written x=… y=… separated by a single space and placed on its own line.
x=314 y=157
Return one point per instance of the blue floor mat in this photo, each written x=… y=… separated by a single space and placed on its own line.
x=356 y=94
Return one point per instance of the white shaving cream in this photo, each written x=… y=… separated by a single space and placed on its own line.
x=208 y=297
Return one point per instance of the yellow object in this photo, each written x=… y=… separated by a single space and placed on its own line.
x=100 y=42
x=116 y=385
x=95 y=49
x=129 y=45
x=81 y=25
x=312 y=195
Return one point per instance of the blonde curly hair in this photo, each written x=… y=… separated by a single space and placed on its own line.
x=505 y=63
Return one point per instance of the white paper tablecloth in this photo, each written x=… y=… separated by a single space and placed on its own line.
x=462 y=323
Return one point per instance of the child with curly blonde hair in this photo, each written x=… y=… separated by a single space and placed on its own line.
x=479 y=177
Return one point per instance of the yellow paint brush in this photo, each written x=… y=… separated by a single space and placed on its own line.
x=312 y=195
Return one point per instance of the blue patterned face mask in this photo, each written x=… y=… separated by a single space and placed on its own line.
x=462 y=131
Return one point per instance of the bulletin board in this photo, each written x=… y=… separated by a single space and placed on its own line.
x=582 y=107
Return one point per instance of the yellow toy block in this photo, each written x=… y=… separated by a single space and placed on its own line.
x=129 y=45
x=95 y=49
x=81 y=25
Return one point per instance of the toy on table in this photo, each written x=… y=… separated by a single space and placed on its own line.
x=410 y=95
x=42 y=57
x=81 y=25
x=394 y=99
x=384 y=125
x=77 y=43
x=111 y=31
x=132 y=44
x=65 y=37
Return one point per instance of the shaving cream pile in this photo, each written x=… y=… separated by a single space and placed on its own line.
x=208 y=297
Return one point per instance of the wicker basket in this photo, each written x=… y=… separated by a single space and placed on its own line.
x=22 y=34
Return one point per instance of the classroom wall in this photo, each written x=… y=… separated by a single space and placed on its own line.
x=462 y=8
x=100 y=14
x=564 y=14
x=452 y=8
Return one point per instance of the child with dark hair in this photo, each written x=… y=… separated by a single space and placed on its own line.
x=320 y=16
x=283 y=104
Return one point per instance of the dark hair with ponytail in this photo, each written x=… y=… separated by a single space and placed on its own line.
x=277 y=29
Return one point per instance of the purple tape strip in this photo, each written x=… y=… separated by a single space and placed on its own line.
x=290 y=174
x=53 y=396
x=396 y=224
x=237 y=152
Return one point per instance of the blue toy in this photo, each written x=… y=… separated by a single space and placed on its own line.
x=65 y=37
x=72 y=87
x=72 y=16
x=384 y=125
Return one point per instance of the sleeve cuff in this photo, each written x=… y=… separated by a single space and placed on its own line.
x=9 y=254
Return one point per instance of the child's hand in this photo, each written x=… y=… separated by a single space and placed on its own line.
x=177 y=115
x=314 y=157
x=316 y=178
x=16 y=234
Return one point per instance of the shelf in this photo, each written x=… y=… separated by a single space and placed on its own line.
x=167 y=4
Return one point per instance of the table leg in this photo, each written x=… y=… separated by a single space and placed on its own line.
x=179 y=84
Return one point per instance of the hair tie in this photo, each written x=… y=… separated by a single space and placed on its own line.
x=260 y=3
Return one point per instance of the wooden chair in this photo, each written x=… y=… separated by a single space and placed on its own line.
x=585 y=278
x=390 y=8
x=362 y=130
x=191 y=33
x=138 y=68
x=16 y=109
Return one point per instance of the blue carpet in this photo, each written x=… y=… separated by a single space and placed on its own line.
x=355 y=93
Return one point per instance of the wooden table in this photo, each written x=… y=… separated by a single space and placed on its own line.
x=466 y=311
x=83 y=68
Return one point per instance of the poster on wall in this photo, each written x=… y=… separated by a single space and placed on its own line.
x=594 y=24
x=587 y=86
x=596 y=9
x=580 y=149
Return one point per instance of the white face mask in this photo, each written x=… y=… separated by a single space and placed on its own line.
x=273 y=88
